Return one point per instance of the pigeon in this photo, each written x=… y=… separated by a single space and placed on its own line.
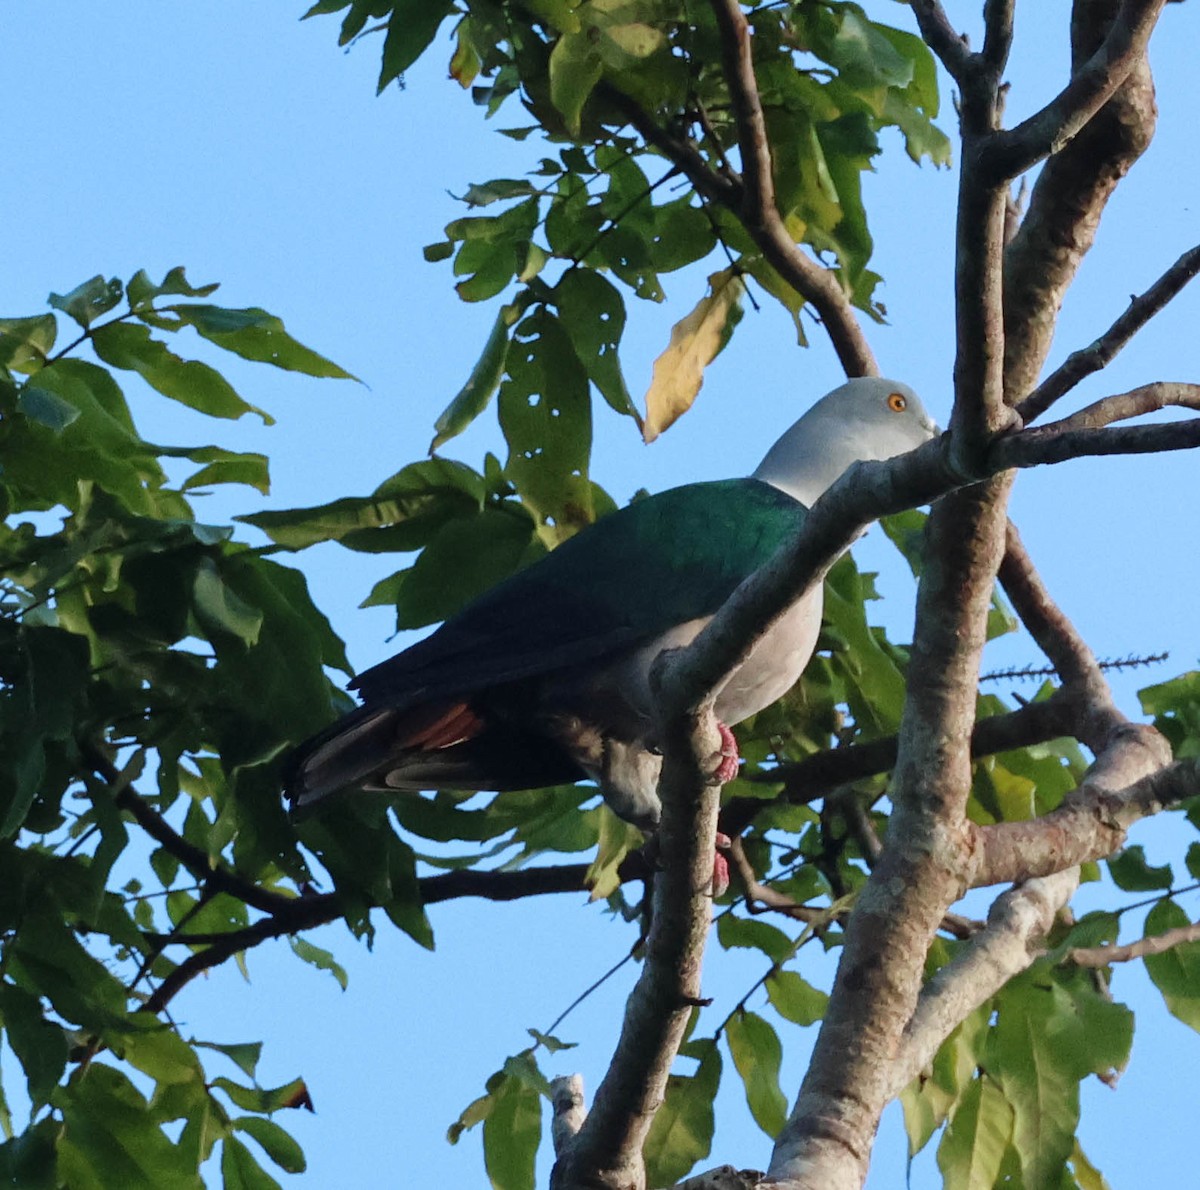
x=545 y=679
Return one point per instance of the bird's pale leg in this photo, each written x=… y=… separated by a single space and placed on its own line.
x=720 y=876
x=726 y=770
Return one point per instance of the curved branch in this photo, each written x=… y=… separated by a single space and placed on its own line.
x=997 y=33
x=1092 y=821
x=1059 y=639
x=1017 y=922
x=1146 y=398
x=1152 y=944
x=760 y=215
x=1052 y=444
x=1010 y=153
x=213 y=873
x=1082 y=363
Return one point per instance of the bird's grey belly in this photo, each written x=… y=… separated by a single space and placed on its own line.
x=772 y=668
x=604 y=718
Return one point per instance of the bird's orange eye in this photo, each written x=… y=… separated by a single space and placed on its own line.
x=897 y=402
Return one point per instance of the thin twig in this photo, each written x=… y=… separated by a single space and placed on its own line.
x=1082 y=363
x=1102 y=956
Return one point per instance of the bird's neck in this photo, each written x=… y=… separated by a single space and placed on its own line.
x=805 y=465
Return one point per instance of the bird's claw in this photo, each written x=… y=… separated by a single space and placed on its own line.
x=727 y=769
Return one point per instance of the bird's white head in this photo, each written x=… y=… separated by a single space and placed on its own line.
x=867 y=418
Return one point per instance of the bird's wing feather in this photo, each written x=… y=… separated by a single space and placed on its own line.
x=659 y=562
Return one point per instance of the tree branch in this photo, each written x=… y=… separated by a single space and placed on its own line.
x=214 y=874
x=1017 y=921
x=939 y=34
x=1147 y=398
x=1082 y=363
x=1152 y=944
x=1012 y=152
x=1092 y=821
x=1096 y=716
x=997 y=33
x=758 y=211
x=814 y=776
x=568 y=1110
x=1054 y=444
x=1065 y=206
x=826 y=1142
x=607 y=1151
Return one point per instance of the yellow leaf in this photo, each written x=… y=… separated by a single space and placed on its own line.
x=695 y=342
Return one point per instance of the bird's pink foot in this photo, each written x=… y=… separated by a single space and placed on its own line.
x=720 y=876
x=728 y=768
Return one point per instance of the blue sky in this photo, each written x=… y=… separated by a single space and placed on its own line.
x=245 y=145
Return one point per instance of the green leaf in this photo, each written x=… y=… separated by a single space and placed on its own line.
x=411 y=28
x=256 y=335
x=1087 y=1176
x=593 y=315
x=751 y=932
x=240 y=1171
x=257 y=1099
x=191 y=383
x=977 y=1138
x=40 y=1045
x=89 y=300
x=473 y=398
x=1131 y=872
x=141 y=291
x=482 y=194
x=930 y=1098
x=279 y=1145
x=1175 y=972
x=26 y=342
x=757 y=1054
x=682 y=1131
x=512 y=1131
x=617 y=839
x=552 y=1044
x=220 y=609
x=318 y=957
x=29 y=1160
x=575 y=69
x=111 y=1138
x=795 y=999
x=226 y=466
x=466 y=557
x=157 y=1050
x=545 y=413
x=245 y=1054
x=862 y=52
x=403 y=513
x=47 y=408
x=1054 y=1027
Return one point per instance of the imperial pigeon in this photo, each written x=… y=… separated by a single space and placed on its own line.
x=545 y=679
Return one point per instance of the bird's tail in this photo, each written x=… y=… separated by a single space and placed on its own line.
x=431 y=746
x=343 y=756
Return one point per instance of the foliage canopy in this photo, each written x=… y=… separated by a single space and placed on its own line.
x=155 y=670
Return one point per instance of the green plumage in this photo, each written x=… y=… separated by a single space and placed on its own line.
x=661 y=561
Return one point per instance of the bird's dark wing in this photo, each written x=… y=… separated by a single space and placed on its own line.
x=661 y=561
